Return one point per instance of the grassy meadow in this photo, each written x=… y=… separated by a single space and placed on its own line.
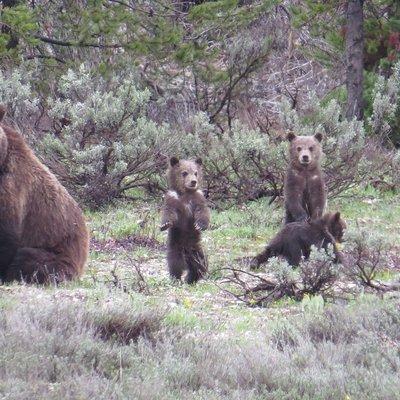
x=125 y=331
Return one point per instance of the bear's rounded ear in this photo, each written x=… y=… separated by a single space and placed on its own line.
x=319 y=136
x=173 y=161
x=290 y=136
x=336 y=217
x=199 y=161
x=3 y=111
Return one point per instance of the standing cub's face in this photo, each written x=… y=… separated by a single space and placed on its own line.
x=305 y=151
x=184 y=175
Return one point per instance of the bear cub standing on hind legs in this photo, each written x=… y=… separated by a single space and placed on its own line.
x=304 y=188
x=43 y=235
x=185 y=215
x=295 y=239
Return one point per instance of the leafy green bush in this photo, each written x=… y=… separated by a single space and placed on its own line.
x=348 y=162
x=104 y=145
x=17 y=95
x=239 y=165
x=385 y=118
x=245 y=164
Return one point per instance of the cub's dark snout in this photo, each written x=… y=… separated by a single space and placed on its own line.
x=193 y=183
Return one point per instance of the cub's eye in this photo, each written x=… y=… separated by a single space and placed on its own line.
x=195 y=174
x=311 y=148
x=184 y=173
x=299 y=149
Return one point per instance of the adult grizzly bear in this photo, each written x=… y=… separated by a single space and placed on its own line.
x=185 y=215
x=295 y=239
x=304 y=189
x=43 y=236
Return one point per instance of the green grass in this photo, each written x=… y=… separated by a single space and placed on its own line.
x=107 y=339
x=123 y=221
x=115 y=346
x=376 y=212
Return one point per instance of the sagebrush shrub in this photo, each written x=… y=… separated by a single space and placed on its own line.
x=105 y=145
x=244 y=164
x=240 y=164
x=385 y=118
x=17 y=95
x=347 y=163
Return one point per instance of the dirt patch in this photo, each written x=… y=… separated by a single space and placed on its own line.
x=126 y=243
x=126 y=331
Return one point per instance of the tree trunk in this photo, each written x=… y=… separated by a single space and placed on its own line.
x=354 y=59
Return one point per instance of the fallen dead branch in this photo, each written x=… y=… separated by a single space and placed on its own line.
x=136 y=283
x=319 y=275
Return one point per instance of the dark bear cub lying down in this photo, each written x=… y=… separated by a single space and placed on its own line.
x=185 y=215
x=296 y=238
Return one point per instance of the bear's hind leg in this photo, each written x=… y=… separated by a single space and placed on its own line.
x=292 y=254
x=176 y=262
x=197 y=265
x=39 y=266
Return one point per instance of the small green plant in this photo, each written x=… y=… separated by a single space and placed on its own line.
x=313 y=304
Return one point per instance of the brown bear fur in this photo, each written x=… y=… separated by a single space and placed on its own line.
x=295 y=239
x=304 y=190
x=43 y=236
x=185 y=215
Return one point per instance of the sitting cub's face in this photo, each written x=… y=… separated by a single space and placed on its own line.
x=184 y=175
x=337 y=226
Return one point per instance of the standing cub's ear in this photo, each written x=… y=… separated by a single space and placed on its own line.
x=3 y=111
x=290 y=136
x=199 y=161
x=319 y=136
x=174 y=161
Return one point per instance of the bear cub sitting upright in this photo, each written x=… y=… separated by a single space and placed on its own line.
x=185 y=214
x=43 y=234
x=304 y=188
x=295 y=239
